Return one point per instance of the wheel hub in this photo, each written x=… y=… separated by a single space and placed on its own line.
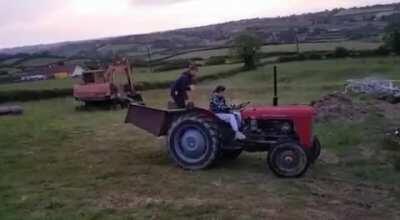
x=288 y=160
x=192 y=145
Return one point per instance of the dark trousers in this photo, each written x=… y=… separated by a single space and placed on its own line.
x=179 y=100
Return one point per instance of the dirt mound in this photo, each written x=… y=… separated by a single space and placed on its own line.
x=338 y=106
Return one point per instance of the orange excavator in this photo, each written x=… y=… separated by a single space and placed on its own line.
x=112 y=86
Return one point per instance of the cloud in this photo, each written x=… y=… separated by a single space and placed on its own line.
x=25 y=11
x=156 y=2
x=25 y=22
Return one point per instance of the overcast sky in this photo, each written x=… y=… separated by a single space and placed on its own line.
x=26 y=22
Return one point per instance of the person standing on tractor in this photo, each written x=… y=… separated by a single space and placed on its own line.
x=224 y=112
x=181 y=87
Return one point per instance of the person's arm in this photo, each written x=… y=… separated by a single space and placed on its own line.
x=218 y=104
x=224 y=106
x=188 y=83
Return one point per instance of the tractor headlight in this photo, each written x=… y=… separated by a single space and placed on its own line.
x=286 y=127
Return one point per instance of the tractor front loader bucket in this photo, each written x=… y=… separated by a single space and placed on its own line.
x=154 y=121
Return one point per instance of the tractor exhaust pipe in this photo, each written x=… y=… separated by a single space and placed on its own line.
x=275 y=101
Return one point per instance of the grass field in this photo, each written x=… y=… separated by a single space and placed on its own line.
x=9 y=61
x=306 y=47
x=40 y=61
x=57 y=163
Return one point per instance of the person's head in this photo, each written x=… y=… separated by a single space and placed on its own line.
x=220 y=90
x=193 y=69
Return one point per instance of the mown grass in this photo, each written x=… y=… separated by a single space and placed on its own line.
x=57 y=163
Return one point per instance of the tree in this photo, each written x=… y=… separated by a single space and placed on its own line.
x=341 y=52
x=246 y=46
x=392 y=37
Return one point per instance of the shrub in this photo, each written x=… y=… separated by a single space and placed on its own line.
x=397 y=163
x=216 y=60
x=382 y=50
x=139 y=63
x=392 y=36
x=274 y=54
x=341 y=52
x=173 y=65
x=315 y=56
x=27 y=95
x=246 y=46
x=193 y=59
x=298 y=57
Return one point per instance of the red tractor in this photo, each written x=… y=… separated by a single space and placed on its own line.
x=197 y=139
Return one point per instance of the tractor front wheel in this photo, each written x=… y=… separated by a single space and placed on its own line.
x=316 y=151
x=288 y=160
x=193 y=142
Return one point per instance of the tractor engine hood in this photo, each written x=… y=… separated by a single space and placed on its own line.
x=279 y=112
x=301 y=115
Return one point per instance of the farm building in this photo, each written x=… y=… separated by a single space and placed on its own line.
x=63 y=71
x=54 y=71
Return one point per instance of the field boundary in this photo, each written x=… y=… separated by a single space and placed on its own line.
x=31 y=95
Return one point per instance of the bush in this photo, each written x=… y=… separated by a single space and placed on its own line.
x=274 y=54
x=341 y=52
x=216 y=60
x=392 y=41
x=397 y=163
x=173 y=65
x=27 y=95
x=299 y=57
x=315 y=56
x=382 y=50
x=139 y=63
x=194 y=59
x=246 y=46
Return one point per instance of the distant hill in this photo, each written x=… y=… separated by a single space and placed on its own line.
x=366 y=23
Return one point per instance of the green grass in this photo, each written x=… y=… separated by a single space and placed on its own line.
x=57 y=163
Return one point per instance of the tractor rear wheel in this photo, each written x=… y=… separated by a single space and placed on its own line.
x=288 y=160
x=193 y=142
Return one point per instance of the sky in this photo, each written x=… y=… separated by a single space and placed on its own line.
x=29 y=22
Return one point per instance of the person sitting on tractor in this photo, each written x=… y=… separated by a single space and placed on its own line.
x=185 y=83
x=226 y=113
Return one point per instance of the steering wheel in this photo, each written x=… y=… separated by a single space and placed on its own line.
x=241 y=106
